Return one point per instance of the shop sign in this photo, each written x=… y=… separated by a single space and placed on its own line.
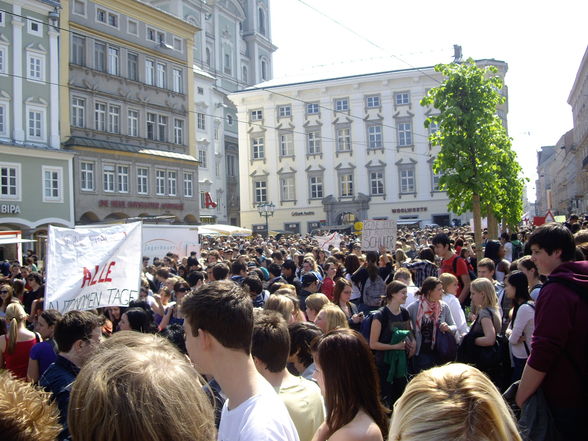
x=409 y=210
x=303 y=213
x=9 y=209
x=140 y=204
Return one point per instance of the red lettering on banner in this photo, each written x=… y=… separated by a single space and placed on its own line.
x=90 y=278
x=208 y=201
x=87 y=276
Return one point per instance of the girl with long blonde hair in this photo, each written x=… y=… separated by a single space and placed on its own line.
x=18 y=342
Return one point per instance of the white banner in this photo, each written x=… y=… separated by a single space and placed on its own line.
x=158 y=240
x=378 y=233
x=325 y=242
x=93 y=267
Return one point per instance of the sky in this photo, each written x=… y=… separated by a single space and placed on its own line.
x=542 y=42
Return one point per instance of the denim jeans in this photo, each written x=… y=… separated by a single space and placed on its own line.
x=517 y=370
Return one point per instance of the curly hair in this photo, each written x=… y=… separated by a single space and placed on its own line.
x=26 y=413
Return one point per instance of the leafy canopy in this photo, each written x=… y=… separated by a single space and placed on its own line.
x=476 y=157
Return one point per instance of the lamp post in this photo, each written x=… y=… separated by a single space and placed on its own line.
x=266 y=210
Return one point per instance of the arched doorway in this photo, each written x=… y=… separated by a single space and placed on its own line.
x=346 y=218
x=89 y=217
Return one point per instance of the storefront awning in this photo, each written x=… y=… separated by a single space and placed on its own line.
x=11 y=240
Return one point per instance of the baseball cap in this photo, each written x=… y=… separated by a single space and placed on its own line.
x=309 y=279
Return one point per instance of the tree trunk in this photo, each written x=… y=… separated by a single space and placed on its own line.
x=477 y=225
x=492 y=226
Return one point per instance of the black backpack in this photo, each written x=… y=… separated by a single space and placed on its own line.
x=471 y=273
x=517 y=250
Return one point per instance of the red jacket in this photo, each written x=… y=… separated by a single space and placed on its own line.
x=560 y=341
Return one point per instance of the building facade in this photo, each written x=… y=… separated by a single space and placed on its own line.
x=545 y=180
x=578 y=99
x=232 y=51
x=330 y=152
x=35 y=174
x=128 y=112
x=562 y=170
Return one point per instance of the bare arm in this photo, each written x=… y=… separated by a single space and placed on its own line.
x=530 y=382
x=489 y=337
x=33 y=371
x=465 y=292
x=322 y=432
x=166 y=317
x=375 y=335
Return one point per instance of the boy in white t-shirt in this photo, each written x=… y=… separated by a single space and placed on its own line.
x=219 y=326
x=450 y=287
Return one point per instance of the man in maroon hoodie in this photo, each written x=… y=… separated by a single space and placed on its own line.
x=559 y=358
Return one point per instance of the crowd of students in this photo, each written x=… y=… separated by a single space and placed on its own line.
x=277 y=339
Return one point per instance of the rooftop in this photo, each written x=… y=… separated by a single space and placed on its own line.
x=117 y=146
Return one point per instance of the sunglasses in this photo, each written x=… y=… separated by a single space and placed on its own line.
x=181 y=290
x=3 y=292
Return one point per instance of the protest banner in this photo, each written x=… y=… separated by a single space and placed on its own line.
x=377 y=234
x=93 y=267
x=331 y=239
x=158 y=240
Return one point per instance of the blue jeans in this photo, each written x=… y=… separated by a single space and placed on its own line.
x=517 y=370
x=423 y=361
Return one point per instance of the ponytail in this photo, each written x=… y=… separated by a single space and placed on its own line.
x=15 y=314
x=12 y=333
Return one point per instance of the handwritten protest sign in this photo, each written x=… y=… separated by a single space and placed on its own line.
x=377 y=234
x=331 y=239
x=93 y=267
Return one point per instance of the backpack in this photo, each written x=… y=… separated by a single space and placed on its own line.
x=366 y=325
x=471 y=273
x=374 y=291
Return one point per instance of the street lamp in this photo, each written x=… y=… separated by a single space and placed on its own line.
x=266 y=210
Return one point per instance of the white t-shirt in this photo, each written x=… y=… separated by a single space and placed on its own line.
x=508 y=251
x=355 y=292
x=457 y=315
x=263 y=417
x=524 y=325
x=411 y=295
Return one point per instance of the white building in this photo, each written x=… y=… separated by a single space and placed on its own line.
x=232 y=51
x=331 y=151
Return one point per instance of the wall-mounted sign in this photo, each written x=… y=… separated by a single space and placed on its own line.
x=9 y=209
x=292 y=227
x=409 y=210
x=140 y=204
x=303 y=213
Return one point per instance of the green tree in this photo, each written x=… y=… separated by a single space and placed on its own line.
x=478 y=167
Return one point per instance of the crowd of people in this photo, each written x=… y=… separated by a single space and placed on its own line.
x=278 y=339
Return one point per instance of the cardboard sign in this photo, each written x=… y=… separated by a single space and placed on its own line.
x=93 y=267
x=325 y=242
x=377 y=234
